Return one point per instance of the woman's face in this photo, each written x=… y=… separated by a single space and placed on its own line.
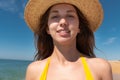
x=63 y=23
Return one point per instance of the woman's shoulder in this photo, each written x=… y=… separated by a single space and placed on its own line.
x=38 y=63
x=103 y=63
x=101 y=66
x=34 y=69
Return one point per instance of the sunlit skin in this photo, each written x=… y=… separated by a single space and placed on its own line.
x=63 y=24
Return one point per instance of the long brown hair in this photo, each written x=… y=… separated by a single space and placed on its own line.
x=44 y=43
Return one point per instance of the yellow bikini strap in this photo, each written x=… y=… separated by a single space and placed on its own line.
x=44 y=73
x=86 y=69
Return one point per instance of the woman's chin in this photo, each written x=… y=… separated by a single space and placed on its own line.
x=63 y=41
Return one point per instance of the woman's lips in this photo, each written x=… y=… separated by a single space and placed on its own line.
x=63 y=33
x=66 y=31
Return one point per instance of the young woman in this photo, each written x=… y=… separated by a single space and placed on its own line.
x=65 y=40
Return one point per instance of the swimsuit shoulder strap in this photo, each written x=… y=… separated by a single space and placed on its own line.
x=86 y=69
x=44 y=73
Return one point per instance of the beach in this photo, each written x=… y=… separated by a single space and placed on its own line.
x=115 y=69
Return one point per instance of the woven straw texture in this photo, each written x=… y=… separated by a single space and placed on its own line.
x=92 y=10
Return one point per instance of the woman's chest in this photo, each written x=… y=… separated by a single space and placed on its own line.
x=66 y=74
x=73 y=74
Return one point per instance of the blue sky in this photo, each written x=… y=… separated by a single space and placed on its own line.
x=17 y=40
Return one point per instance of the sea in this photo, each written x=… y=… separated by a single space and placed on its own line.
x=13 y=69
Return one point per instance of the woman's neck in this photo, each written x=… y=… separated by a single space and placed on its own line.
x=64 y=54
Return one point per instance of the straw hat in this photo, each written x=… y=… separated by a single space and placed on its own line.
x=91 y=9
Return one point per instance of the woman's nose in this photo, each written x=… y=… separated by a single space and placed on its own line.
x=63 y=22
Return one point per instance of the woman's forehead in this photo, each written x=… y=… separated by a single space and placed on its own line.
x=62 y=6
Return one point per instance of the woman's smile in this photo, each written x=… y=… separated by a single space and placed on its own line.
x=63 y=33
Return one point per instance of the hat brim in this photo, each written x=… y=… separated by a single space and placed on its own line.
x=91 y=9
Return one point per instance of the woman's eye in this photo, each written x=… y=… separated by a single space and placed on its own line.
x=54 y=17
x=70 y=16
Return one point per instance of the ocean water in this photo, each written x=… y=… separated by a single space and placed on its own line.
x=13 y=69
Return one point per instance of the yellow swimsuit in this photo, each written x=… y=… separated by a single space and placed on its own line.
x=85 y=65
